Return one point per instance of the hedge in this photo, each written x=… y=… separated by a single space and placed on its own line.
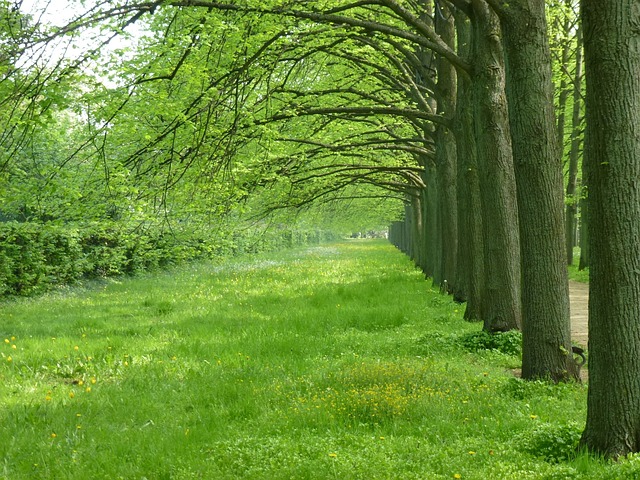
x=35 y=257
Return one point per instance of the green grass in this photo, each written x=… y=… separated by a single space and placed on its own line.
x=330 y=362
x=574 y=273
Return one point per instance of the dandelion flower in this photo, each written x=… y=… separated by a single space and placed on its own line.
x=13 y=338
x=457 y=475
x=333 y=455
x=54 y=435
x=47 y=398
x=533 y=417
x=9 y=359
x=71 y=394
x=93 y=380
x=88 y=390
x=76 y=348
x=6 y=340
x=13 y=346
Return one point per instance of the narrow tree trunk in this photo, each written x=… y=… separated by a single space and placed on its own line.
x=445 y=274
x=574 y=153
x=563 y=88
x=612 y=149
x=501 y=308
x=546 y=330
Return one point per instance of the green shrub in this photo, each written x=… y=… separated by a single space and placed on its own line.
x=509 y=343
x=554 y=443
x=34 y=257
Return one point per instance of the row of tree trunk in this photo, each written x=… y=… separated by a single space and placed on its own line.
x=491 y=226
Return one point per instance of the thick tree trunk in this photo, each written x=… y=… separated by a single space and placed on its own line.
x=546 y=330
x=501 y=308
x=470 y=268
x=612 y=149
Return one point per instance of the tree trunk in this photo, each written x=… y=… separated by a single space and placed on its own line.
x=470 y=268
x=546 y=329
x=574 y=154
x=445 y=142
x=501 y=308
x=429 y=218
x=612 y=149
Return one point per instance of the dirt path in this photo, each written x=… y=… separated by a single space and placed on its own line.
x=579 y=297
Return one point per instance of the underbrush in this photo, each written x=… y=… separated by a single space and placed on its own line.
x=335 y=361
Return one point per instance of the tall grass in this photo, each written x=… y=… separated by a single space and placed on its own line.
x=331 y=362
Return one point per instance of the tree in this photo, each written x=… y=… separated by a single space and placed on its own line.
x=546 y=332
x=501 y=303
x=612 y=149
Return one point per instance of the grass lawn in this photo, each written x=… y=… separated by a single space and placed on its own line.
x=336 y=361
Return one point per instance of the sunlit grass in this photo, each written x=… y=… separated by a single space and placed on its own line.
x=574 y=272
x=331 y=362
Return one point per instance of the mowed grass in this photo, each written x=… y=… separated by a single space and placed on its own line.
x=336 y=361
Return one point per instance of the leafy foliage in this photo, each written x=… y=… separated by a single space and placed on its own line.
x=36 y=257
x=509 y=343
x=554 y=443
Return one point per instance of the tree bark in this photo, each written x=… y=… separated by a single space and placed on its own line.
x=546 y=329
x=501 y=306
x=430 y=212
x=612 y=149
x=470 y=268
x=445 y=143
